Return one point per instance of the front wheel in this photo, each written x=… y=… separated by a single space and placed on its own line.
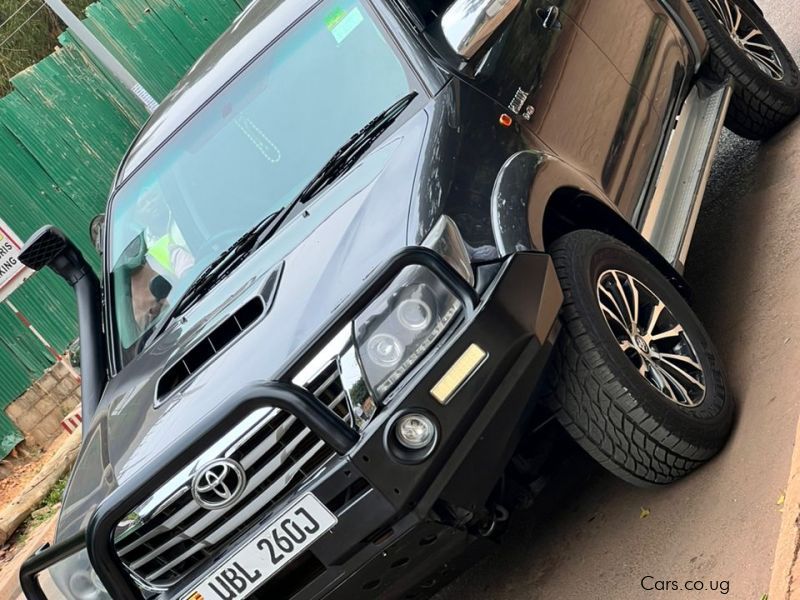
x=745 y=48
x=635 y=378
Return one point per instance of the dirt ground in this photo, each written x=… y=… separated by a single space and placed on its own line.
x=10 y=566
x=22 y=472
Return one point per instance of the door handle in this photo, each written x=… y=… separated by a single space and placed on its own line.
x=550 y=17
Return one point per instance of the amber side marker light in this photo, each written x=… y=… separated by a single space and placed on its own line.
x=506 y=120
x=469 y=362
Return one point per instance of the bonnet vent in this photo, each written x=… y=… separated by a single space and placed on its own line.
x=209 y=346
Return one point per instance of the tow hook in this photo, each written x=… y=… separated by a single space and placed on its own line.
x=498 y=515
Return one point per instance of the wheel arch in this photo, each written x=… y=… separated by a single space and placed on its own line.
x=569 y=209
x=537 y=198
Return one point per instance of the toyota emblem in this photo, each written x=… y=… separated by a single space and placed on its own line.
x=219 y=484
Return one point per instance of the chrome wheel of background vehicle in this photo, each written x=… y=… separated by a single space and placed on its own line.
x=746 y=51
x=651 y=337
x=749 y=38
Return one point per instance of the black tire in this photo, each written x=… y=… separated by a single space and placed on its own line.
x=598 y=394
x=761 y=105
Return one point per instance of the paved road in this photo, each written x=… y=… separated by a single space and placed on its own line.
x=721 y=524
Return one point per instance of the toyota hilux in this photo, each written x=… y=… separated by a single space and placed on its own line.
x=361 y=261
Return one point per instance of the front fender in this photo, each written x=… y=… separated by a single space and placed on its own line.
x=521 y=192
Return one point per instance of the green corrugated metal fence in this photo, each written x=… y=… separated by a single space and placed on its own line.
x=63 y=130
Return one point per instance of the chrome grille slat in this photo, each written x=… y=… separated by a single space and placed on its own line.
x=268 y=444
x=171 y=500
x=120 y=540
x=342 y=399
x=242 y=516
x=338 y=400
x=246 y=462
x=212 y=516
x=191 y=507
x=271 y=416
x=184 y=513
x=266 y=496
x=326 y=384
x=278 y=454
x=167 y=526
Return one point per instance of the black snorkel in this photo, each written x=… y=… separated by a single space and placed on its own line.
x=49 y=247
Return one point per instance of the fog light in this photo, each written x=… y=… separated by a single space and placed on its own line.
x=415 y=431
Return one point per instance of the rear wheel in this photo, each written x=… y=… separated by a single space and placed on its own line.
x=744 y=47
x=635 y=379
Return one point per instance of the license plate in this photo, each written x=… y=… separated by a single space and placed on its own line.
x=268 y=552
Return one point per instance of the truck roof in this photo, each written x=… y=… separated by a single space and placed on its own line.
x=254 y=30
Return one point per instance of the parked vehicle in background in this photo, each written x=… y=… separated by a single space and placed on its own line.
x=361 y=258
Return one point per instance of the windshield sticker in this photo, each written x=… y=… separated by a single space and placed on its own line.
x=341 y=24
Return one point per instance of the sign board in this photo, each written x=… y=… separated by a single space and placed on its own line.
x=12 y=272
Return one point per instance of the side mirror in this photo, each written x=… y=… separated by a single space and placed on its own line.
x=468 y=24
x=96 y=230
x=75 y=355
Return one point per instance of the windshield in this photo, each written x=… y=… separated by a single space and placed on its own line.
x=245 y=155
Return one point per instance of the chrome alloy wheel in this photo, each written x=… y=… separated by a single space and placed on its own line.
x=750 y=39
x=650 y=336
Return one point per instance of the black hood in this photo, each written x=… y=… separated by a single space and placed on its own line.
x=322 y=257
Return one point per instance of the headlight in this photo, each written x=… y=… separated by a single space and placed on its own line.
x=75 y=578
x=401 y=325
x=384 y=350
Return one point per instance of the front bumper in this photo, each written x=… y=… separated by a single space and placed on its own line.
x=396 y=520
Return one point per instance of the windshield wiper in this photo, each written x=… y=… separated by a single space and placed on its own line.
x=220 y=268
x=342 y=161
x=345 y=157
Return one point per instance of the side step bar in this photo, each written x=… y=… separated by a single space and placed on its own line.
x=670 y=218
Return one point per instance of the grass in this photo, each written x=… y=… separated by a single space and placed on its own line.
x=24 y=42
x=43 y=513
x=56 y=493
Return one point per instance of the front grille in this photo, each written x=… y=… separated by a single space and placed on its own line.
x=278 y=455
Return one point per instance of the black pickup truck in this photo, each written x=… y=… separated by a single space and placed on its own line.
x=367 y=254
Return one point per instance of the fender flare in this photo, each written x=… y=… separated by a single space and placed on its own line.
x=521 y=193
x=533 y=186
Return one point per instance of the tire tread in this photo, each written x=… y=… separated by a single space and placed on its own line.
x=593 y=405
x=757 y=111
